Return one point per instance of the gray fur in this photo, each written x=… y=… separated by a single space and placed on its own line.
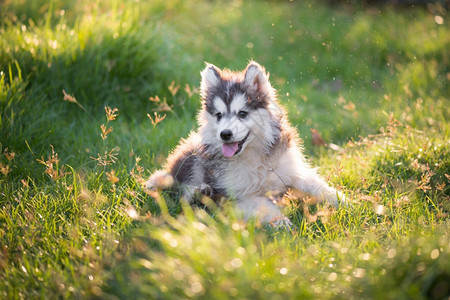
x=268 y=158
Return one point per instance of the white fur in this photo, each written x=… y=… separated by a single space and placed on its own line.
x=220 y=105
x=238 y=103
x=250 y=178
x=258 y=169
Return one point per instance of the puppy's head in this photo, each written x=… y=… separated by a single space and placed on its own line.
x=236 y=107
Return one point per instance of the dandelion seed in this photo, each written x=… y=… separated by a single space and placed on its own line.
x=196 y=287
x=105 y=131
x=434 y=254
x=425 y=180
x=4 y=169
x=111 y=176
x=364 y=256
x=163 y=106
x=137 y=171
x=131 y=211
x=236 y=226
x=173 y=243
x=111 y=114
x=24 y=183
x=439 y=20
x=9 y=155
x=236 y=263
x=359 y=273
x=332 y=277
x=421 y=267
x=392 y=253
x=283 y=271
x=440 y=186
x=199 y=226
x=380 y=209
x=52 y=166
x=69 y=98
x=157 y=119
x=167 y=235
x=154 y=99
x=72 y=99
x=108 y=158
x=350 y=106
x=190 y=92
x=228 y=267
x=240 y=250
x=173 y=89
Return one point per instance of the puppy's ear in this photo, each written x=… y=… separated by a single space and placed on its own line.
x=210 y=78
x=256 y=78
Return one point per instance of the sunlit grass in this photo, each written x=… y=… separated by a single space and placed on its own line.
x=76 y=223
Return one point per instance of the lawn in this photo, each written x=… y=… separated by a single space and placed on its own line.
x=94 y=95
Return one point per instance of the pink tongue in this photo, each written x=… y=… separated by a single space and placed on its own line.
x=229 y=149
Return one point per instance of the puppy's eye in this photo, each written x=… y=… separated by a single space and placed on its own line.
x=242 y=114
x=218 y=116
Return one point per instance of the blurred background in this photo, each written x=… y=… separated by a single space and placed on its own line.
x=95 y=94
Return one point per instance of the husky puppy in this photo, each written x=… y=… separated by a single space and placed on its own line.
x=245 y=149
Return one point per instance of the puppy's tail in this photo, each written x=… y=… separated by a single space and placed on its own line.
x=160 y=180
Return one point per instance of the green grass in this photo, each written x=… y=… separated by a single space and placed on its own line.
x=373 y=80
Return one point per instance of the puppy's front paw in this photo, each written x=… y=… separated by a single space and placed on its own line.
x=205 y=189
x=161 y=179
x=282 y=223
x=341 y=199
x=333 y=198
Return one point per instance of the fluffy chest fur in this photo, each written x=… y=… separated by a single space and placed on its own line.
x=251 y=174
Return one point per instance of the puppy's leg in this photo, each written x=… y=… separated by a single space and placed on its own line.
x=296 y=173
x=311 y=182
x=188 y=192
x=205 y=189
x=159 y=180
x=162 y=180
x=263 y=210
x=184 y=168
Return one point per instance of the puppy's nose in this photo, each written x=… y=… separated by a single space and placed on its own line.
x=226 y=135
